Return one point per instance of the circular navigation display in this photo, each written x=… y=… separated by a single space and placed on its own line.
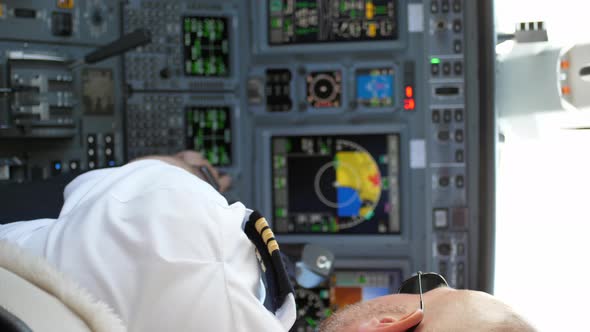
x=357 y=183
x=336 y=184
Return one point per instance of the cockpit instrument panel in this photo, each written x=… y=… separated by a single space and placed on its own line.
x=355 y=125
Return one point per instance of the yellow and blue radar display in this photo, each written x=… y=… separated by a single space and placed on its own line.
x=336 y=184
x=358 y=184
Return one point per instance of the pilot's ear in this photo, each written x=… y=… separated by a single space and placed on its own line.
x=390 y=324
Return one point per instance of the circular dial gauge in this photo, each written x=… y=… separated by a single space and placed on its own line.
x=324 y=89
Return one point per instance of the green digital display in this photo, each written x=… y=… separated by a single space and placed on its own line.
x=206 y=46
x=324 y=21
x=208 y=131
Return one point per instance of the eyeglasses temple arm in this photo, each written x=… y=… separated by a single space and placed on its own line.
x=420 y=286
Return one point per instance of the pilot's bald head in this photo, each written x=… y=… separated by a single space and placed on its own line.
x=445 y=310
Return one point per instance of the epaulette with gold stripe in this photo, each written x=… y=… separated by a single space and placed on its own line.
x=275 y=277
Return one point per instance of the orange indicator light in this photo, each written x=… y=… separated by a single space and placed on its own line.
x=409 y=92
x=565 y=64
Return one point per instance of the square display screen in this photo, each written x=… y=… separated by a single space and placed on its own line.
x=340 y=184
x=206 y=46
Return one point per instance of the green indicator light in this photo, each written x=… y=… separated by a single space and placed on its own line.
x=362 y=280
x=287 y=23
x=435 y=61
x=333 y=225
x=305 y=31
x=275 y=23
x=311 y=322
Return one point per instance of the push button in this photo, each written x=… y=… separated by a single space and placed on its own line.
x=447 y=117
x=435 y=116
x=459 y=115
x=446 y=68
x=435 y=69
x=458 y=68
x=457 y=7
x=445 y=6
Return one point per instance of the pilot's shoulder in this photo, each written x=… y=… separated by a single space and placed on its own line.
x=145 y=177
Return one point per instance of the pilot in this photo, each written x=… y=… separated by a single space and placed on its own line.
x=426 y=303
x=165 y=250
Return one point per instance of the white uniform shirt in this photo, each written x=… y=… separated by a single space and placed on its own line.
x=160 y=246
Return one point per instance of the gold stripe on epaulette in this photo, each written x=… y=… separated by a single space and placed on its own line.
x=267 y=234
x=260 y=224
x=273 y=245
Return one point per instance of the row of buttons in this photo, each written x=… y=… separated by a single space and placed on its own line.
x=444 y=6
x=447 y=116
x=445 y=181
x=159 y=5
x=153 y=142
x=456 y=67
x=148 y=69
x=445 y=249
x=156 y=108
x=445 y=135
x=158 y=119
x=163 y=98
x=136 y=121
x=57 y=166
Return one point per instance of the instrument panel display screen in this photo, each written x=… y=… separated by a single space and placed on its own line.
x=322 y=21
x=346 y=184
x=375 y=87
x=206 y=46
x=208 y=130
x=349 y=287
x=344 y=288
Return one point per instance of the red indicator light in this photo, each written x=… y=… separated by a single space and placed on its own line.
x=409 y=91
x=409 y=104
